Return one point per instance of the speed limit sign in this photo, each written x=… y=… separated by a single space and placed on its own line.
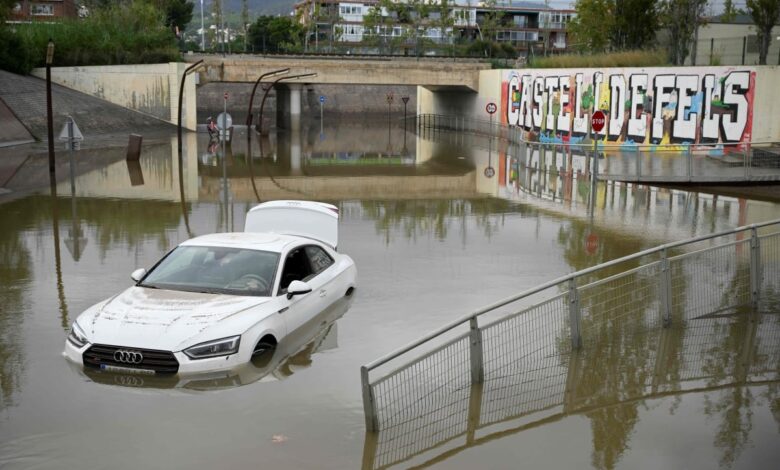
x=491 y=108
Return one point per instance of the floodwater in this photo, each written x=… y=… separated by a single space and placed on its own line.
x=434 y=237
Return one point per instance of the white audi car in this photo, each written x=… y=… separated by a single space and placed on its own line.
x=215 y=301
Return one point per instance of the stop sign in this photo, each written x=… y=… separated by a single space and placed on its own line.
x=598 y=120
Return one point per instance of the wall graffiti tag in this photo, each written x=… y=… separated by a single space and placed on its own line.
x=687 y=106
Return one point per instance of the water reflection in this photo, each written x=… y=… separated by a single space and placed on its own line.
x=434 y=237
x=609 y=382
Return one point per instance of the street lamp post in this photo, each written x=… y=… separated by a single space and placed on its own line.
x=254 y=89
x=49 y=119
x=202 y=32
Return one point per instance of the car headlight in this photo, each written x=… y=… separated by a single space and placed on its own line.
x=218 y=347
x=77 y=336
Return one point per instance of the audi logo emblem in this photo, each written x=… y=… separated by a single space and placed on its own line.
x=128 y=357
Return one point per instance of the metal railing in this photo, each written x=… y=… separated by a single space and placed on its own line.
x=710 y=354
x=654 y=288
x=754 y=161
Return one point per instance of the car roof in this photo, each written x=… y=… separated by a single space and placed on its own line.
x=253 y=241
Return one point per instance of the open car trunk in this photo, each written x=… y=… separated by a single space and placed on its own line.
x=309 y=219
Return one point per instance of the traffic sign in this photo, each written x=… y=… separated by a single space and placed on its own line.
x=224 y=121
x=598 y=120
x=489 y=172
x=491 y=108
x=226 y=96
x=405 y=99
x=322 y=98
x=390 y=98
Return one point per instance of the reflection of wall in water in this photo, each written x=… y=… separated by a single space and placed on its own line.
x=159 y=167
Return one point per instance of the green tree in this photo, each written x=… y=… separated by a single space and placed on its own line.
x=635 y=24
x=765 y=14
x=602 y=25
x=682 y=18
x=730 y=12
x=276 y=34
x=591 y=29
x=178 y=13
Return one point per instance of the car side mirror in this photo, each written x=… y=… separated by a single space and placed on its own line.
x=138 y=274
x=297 y=288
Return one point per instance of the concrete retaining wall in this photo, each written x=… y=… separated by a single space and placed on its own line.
x=152 y=89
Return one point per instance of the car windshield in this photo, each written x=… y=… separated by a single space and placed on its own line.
x=215 y=270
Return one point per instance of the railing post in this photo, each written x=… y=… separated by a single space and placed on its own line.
x=666 y=290
x=369 y=407
x=755 y=266
x=574 y=315
x=475 y=351
x=747 y=161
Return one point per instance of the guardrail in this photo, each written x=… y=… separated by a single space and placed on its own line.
x=675 y=282
x=756 y=161
x=618 y=372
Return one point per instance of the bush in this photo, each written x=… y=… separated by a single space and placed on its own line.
x=14 y=54
x=649 y=58
x=125 y=33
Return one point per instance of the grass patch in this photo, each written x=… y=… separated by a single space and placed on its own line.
x=126 y=33
x=651 y=58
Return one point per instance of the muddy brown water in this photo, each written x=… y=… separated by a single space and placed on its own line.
x=433 y=237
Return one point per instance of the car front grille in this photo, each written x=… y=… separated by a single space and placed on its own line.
x=162 y=362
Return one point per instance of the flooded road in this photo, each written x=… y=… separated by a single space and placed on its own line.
x=434 y=235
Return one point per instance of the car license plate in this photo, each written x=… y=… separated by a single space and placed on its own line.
x=126 y=370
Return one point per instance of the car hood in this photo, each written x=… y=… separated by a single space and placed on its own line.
x=161 y=319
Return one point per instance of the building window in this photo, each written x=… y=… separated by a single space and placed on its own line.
x=37 y=9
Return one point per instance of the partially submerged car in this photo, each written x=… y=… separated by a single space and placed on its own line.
x=215 y=301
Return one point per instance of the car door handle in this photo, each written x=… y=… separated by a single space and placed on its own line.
x=323 y=293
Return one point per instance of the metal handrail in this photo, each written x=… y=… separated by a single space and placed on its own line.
x=449 y=326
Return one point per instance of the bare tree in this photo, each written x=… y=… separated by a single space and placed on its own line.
x=765 y=14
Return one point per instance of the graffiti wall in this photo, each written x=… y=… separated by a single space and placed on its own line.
x=653 y=106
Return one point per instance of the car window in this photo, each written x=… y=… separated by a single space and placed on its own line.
x=219 y=270
x=319 y=258
x=296 y=268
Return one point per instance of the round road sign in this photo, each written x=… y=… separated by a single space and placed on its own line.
x=491 y=108
x=598 y=120
x=226 y=96
x=224 y=121
x=489 y=172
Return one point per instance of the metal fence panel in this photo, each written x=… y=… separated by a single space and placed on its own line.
x=710 y=280
x=526 y=358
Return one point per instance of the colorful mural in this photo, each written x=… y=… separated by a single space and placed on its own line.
x=708 y=106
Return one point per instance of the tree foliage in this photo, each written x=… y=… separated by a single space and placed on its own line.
x=614 y=25
x=765 y=14
x=132 y=32
x=276 y=34
x=682 y=18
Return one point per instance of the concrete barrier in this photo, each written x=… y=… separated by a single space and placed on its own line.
x=152 y=89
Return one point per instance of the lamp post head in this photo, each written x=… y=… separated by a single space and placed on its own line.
x=50 y=52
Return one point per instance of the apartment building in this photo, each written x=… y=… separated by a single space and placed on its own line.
x=527 y=26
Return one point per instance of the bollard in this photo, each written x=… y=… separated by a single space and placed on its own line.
x=134 y=147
